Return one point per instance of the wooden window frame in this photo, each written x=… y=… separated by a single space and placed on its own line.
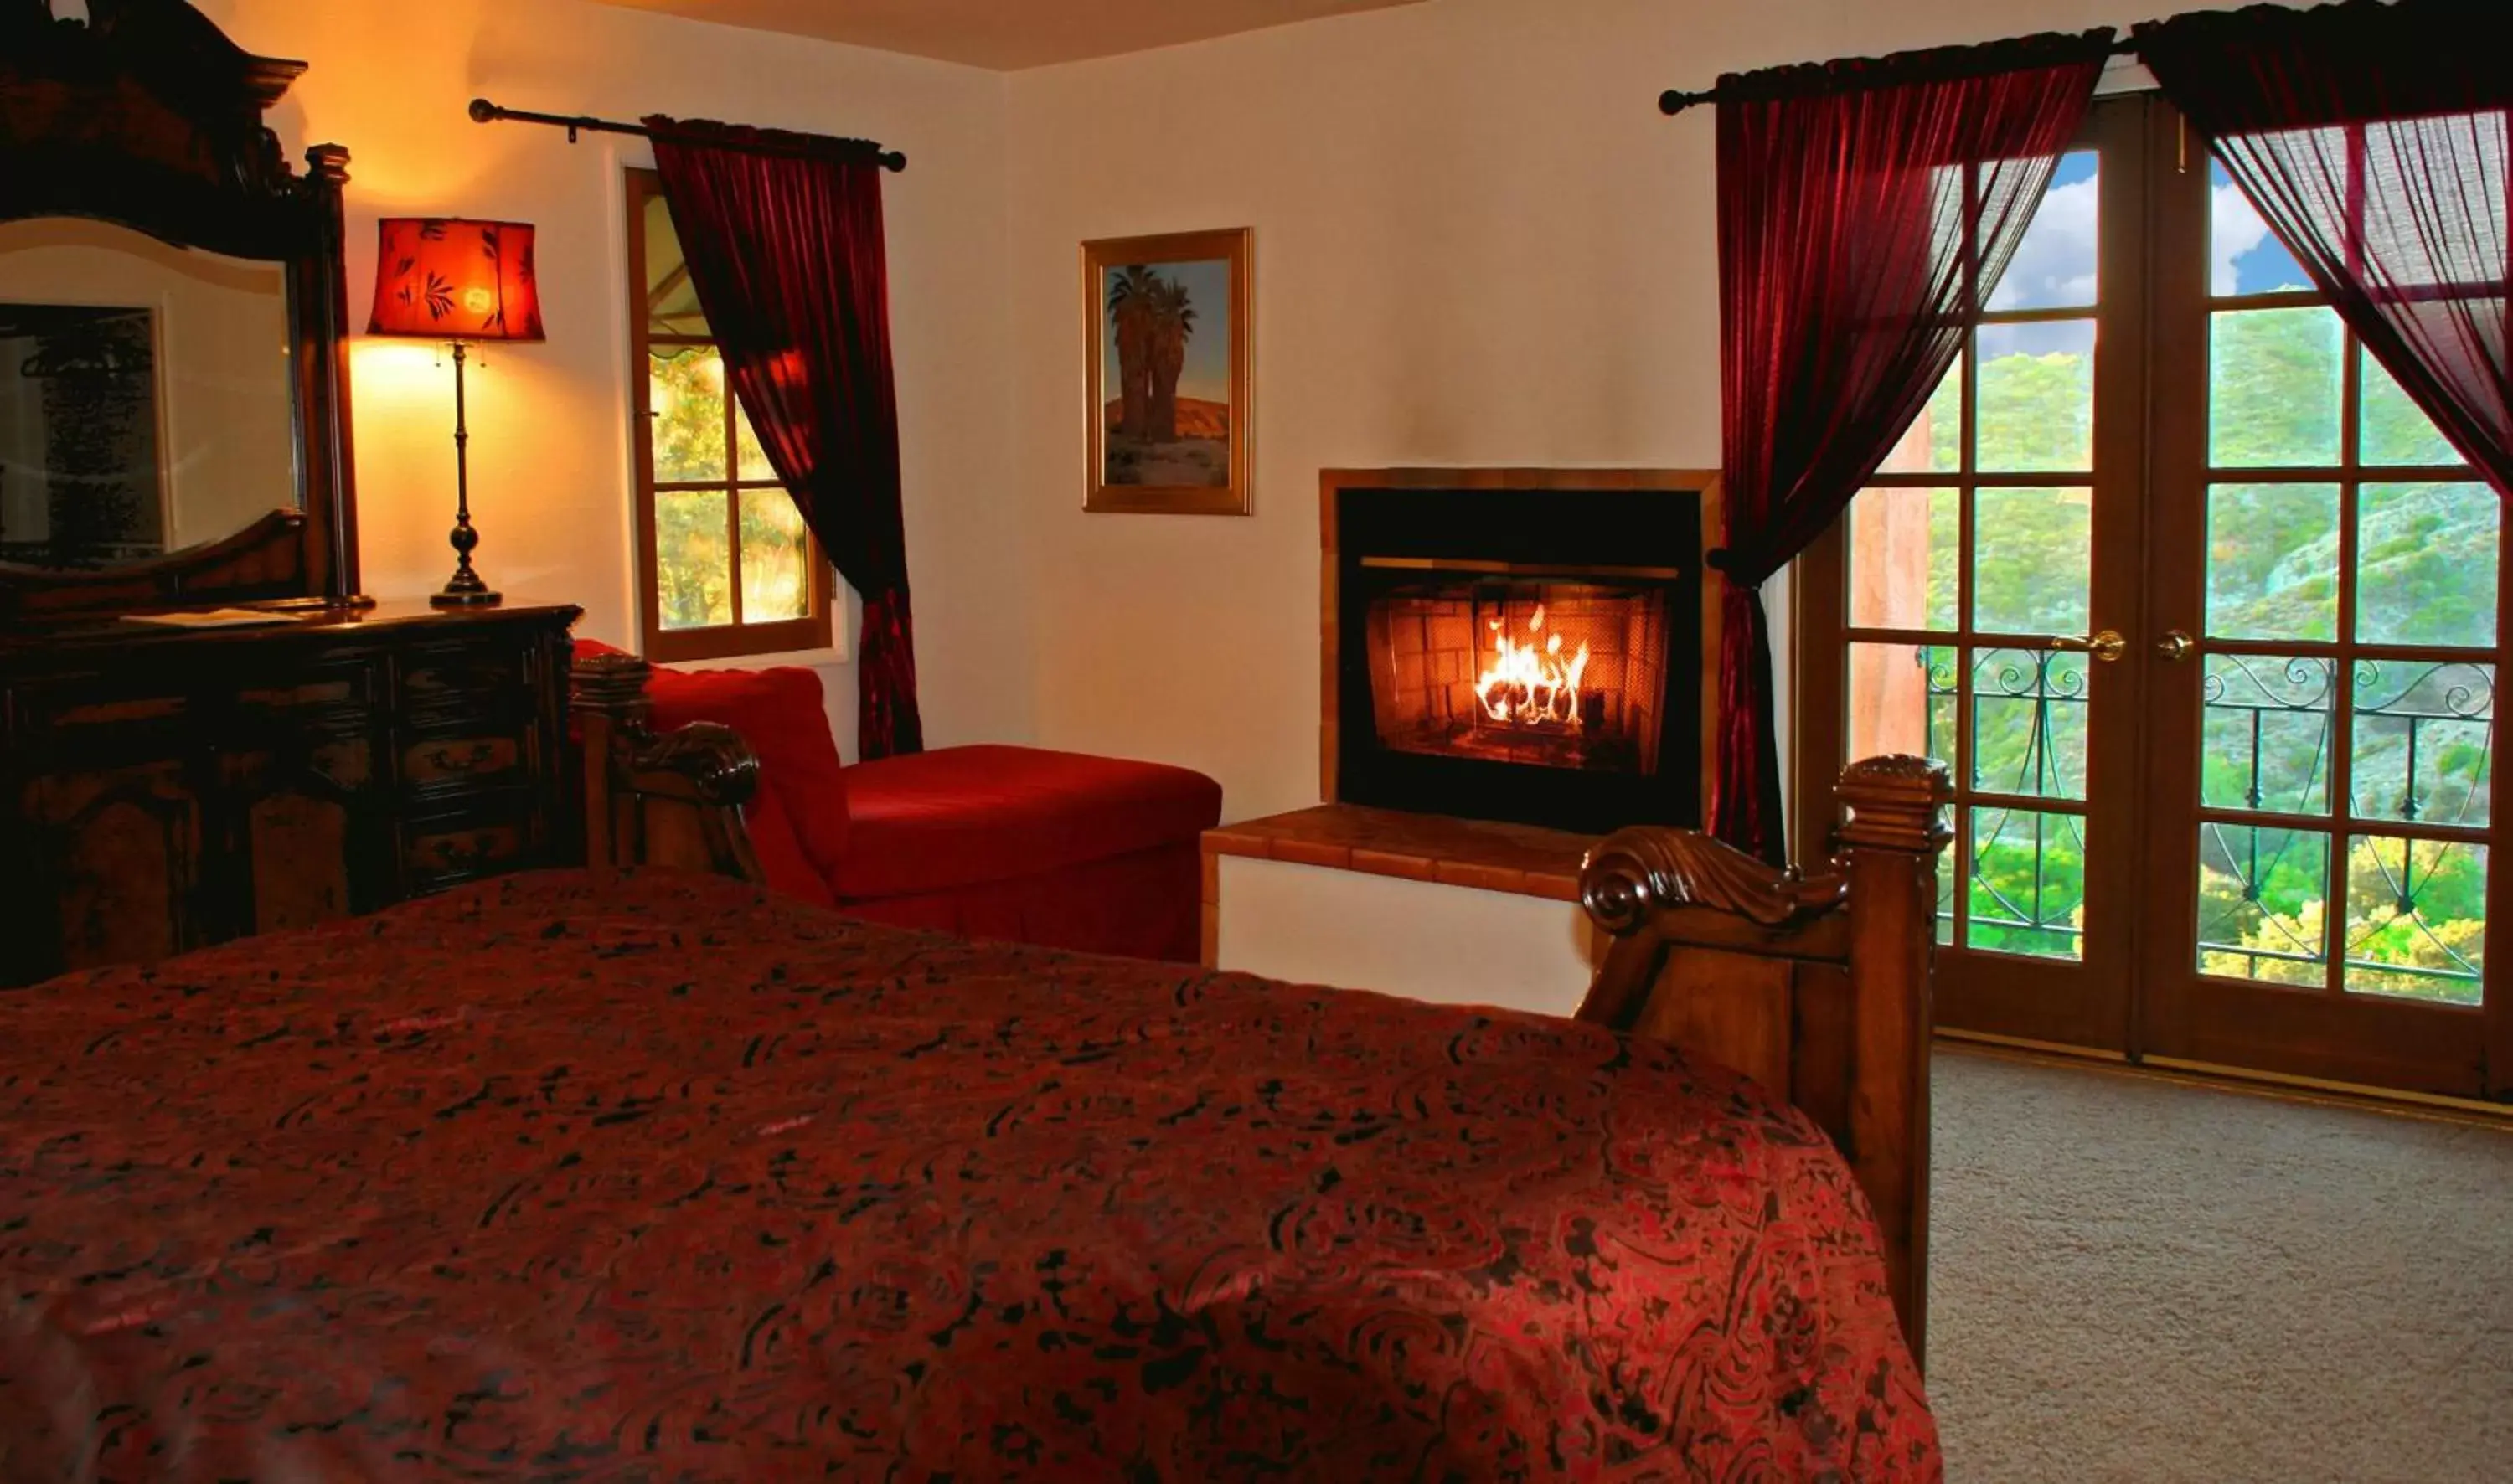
x=736 y=640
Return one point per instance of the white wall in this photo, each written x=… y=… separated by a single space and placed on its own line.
x=1450 y=945
x=549 y=455
x=1477 y=243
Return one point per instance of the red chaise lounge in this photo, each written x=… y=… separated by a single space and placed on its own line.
x=1017 y=843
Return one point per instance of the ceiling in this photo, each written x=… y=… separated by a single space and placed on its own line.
x=1010 y=34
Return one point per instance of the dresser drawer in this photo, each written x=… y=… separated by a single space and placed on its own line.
x=155 y=697
x=466 y=760
x=442 y=850
x=452 y=677
x=88 y=704
x=337 y=686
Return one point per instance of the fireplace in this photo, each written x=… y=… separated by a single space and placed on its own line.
x=1516 y=647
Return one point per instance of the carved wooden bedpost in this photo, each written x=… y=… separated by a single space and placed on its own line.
x=1816 y=987
x=671 y=801
x=1888 y=852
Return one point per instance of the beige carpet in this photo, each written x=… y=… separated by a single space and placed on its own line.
x=2137 y=1279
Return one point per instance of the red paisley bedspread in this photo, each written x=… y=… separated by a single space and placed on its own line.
x=663 y=1179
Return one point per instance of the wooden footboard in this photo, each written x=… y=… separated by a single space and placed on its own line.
x=1817 y=986
x=671 y=799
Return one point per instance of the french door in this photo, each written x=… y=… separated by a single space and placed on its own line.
x=2205 y=617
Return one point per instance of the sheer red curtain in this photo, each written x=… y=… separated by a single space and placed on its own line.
x=2372 y=139
x=783 y=233
x=1865 y=210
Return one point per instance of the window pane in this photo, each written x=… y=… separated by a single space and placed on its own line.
x=1904 y=545
x=2055 y=267
x=2266 y=733
x=776 y=559
x=2273 y=560
x=2416 y=918
x=2273 y=388
x=2262 y=896
x=1902 y=700
x=2393 y=429
x=2028 y=883
x=671 y=304
x=2028 y=732
x=751 y=458
x=693 y=567
x=2425 y=565
x=1934 y=442
x=2244 y=255
x=2036 y=402
x=2424 y=736
x=2032 y=553
x=685 y=392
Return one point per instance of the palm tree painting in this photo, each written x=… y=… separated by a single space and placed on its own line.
x=1165 y=347
x=1167 y=375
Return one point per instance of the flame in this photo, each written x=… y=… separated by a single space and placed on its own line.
x=1529 y=686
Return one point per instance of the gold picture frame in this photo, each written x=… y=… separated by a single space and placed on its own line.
x=1168 y=398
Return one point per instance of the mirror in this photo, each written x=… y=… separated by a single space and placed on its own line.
x=146 y=395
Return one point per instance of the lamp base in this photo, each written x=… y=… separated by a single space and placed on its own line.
x=452 y=599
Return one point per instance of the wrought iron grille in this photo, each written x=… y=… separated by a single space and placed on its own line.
x=2422 y=748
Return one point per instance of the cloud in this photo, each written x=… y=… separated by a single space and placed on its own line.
x=2236 y=230
x=2054 y=265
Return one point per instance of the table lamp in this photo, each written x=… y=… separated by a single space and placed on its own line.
x=462 y=282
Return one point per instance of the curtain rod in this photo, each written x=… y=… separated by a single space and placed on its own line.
x=483 y=111
x=1673 y=101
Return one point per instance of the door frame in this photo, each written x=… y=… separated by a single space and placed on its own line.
x=2149 y=735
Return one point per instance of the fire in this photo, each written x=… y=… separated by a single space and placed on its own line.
x=1528 y=684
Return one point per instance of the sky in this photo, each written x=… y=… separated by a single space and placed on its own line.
x=2054 y=266
x=1207 y=377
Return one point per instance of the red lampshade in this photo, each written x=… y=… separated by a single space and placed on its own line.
x=442 y=278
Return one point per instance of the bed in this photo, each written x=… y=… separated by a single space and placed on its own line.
x=629 y=1173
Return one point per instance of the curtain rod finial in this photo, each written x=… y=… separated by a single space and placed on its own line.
x=1672 y=102
x=894 y=161
x=483 y=111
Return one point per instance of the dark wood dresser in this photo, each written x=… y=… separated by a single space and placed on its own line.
x=167 y=789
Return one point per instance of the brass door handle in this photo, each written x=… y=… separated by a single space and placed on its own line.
x=2106 y=645
x=2175 y=644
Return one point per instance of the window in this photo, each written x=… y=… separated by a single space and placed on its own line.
x=725 y=565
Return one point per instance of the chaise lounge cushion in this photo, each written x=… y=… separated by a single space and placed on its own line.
x=968 y=815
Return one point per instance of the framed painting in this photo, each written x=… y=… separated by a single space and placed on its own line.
x=1165 y=343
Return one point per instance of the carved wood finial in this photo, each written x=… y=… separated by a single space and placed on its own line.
x=1637 y=873
x=329 y=162
x=712 y=757
x=610 y=685
x=1896 y=803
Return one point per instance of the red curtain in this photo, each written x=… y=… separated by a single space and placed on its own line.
x=1865 y=211
x=2372 y=139
x=783 y=233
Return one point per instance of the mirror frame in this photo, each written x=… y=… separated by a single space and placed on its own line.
x=149 y=118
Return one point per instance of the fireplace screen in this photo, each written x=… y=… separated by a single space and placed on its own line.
x=1549 y=673
x=1525 y=652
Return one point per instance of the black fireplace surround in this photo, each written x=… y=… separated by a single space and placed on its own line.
x=1528 y=655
